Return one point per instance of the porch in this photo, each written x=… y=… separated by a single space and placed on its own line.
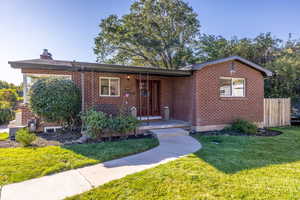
x=164 y=124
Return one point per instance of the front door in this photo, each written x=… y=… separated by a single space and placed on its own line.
x=148 y=97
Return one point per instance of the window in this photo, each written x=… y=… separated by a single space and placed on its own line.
x=232 y=87
x=109 y=86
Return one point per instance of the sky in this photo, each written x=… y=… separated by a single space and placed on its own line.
x=67 y=28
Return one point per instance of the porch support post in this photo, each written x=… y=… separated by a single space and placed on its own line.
x=25 y=96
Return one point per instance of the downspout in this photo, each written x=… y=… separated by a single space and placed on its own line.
x=82 y=88
x=25 y=95
x=93 y=88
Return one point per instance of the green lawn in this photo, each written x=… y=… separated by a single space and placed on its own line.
x=239 y=167
x=3 y=136
x=19 y=164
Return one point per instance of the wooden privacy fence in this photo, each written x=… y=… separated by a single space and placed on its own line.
x=277 y=112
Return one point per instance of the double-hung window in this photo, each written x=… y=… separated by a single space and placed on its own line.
x=109 y=86
x=232 y=87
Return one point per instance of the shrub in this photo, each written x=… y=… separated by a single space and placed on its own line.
x=124 y=124
x=94 y=122
x=25 y=137
x=6 y=112
x=56 y=100
x=243 y=126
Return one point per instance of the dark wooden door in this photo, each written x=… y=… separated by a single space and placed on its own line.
x=148 y=97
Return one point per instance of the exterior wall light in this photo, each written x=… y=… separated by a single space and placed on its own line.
x=232 y=68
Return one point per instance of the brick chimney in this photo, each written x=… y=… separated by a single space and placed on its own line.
x=46 y=55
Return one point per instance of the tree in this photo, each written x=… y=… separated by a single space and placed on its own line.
x=159 y=33
x=9 y=95
x=285 y=82
x=261 y=49
x=55 y=100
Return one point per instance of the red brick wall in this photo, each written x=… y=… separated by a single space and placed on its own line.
x=211 y=109
x=183 y=98
x=26 y=114
x=195 y=99
x=92 y=88
x=92 y=96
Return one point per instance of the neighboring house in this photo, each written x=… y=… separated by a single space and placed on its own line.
x=208 y=95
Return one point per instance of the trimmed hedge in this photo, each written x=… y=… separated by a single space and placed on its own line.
x=56 y=100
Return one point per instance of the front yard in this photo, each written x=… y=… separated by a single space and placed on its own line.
x=19 y=164
x=227 y=167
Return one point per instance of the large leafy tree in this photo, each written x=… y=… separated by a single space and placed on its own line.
x=159 y=33
x=261 y=49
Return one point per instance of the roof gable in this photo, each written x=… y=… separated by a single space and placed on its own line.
x=264 y=71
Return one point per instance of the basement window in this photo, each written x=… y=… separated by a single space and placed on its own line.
x=52 y=129
x=109 y=87
x=232 y=87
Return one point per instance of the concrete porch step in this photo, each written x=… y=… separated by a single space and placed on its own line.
x=164 y=125
x=168 y=132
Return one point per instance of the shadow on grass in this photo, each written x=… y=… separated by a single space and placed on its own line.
x=232 y=154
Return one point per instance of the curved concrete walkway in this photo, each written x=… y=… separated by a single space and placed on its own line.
x=64 y=184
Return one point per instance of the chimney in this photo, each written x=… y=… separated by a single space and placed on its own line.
x=46 y=55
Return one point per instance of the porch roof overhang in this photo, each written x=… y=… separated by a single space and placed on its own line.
x=46 y=64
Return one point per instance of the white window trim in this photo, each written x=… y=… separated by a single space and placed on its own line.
x=109 y=78
x=232 y=79
x=46 y=128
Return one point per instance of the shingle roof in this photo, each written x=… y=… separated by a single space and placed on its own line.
x=86 y=66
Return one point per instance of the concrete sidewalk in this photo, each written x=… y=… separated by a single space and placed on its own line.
x=64 y=184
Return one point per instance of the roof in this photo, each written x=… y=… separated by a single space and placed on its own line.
x=97 y=67
x=113 y=68
x=264 y=71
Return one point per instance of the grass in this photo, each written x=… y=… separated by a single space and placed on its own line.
x=19 y=164
x=239 y=167
x=3 y=136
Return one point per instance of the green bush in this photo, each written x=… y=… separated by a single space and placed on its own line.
x=25 y=137
x=94 y=122
x=124 y=124
x=243 y=126
x=56 y=100
x=6 y=112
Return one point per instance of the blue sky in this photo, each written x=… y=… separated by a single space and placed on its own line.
x=68 y=27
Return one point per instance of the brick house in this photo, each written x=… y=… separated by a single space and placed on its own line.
x=208 y=95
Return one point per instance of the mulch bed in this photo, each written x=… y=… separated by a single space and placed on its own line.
x=62 y=138
x=260 y=133
x=8 y=143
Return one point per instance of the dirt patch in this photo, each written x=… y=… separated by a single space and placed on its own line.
x=260 y=133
